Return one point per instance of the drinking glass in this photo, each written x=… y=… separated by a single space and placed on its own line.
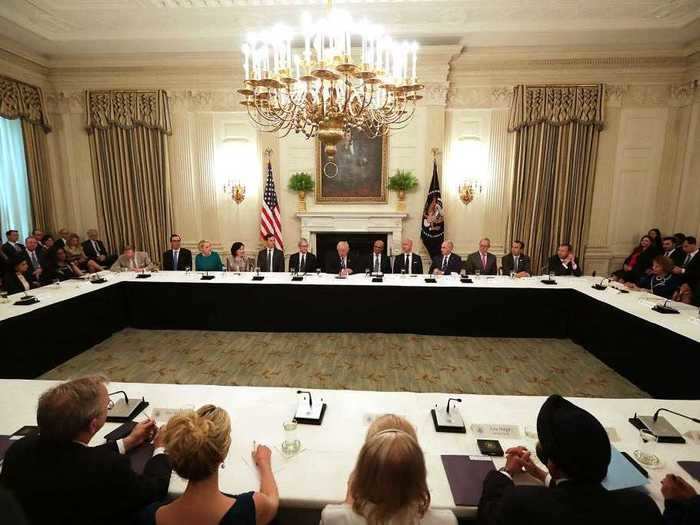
x=367 y=272
x=551 y=275
x=477 y=273
x=646 y=453
x=187 y=270
x=56 y=283
x=291 y=444
x=403 y=273
x=4 y=297
x=257 y=270
x=512 y=274
x=318 y=272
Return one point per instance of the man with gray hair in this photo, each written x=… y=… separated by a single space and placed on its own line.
x=303 y=261
x=95 y=250
x=448 y=262
x=59 y=479
x=341 y=263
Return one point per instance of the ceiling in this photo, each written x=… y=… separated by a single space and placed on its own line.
x=60 y=28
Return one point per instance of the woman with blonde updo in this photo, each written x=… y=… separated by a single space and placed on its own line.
x=197 y=444
x=388 y=485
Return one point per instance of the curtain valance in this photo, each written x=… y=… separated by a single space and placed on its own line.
x=128 y=109
x=557 y=105
x=20 y=100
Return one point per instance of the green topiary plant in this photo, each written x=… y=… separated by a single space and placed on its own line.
x=402 y=181
x=301 y=181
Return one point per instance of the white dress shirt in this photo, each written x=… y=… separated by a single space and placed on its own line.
x=689 y=258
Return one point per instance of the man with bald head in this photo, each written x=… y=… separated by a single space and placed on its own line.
x=407 y=261
x=341 y=263
x=448 y=262
x=378 y=261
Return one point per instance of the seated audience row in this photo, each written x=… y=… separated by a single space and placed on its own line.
x=57 y=478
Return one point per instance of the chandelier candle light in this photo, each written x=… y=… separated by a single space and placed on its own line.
x=326 y=91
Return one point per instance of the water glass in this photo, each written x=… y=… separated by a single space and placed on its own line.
x=512 y=274
x=477 y=273
x=551 y=276
x=403 y=273
x=257 y=270
x=646 y=453
x=4 y=297
x=367 y=272
x=291 y=444
x=318 y=272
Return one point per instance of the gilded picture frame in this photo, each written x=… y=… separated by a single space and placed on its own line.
x=361 y=175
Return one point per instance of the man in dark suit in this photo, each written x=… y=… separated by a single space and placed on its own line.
x=36 y=259
x=270 y=259
x=482 y=260
x=95 y=250
x=670 y=250
x=690 y=269
x=681 y=501
x=341 y=262
x=516 y=261
x=575 y=448
x=12 y=248
x=303 y=261
x=378 y=261
x=62 y=240
x=448 y=262
x=177 y=258
x=407 y=261
x=564 y=262
x=58 y=479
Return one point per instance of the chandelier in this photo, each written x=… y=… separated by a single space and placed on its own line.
x=329 y=89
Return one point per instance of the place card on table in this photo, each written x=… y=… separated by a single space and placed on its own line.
x=496 y=430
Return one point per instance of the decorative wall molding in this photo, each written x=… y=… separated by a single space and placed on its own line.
x=489 y=97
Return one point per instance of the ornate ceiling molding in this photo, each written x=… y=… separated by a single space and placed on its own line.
x=481 y=97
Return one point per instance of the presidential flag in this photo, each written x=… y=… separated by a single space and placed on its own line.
x=270 y=219
x=433 y=225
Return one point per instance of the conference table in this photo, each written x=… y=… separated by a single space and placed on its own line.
x=318 y=474
x=660 y=353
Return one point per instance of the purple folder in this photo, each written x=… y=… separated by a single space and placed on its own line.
x=466 y=477
x=139 y=456
x=691 y=467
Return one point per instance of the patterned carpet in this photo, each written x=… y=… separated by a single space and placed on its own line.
x=388 y=362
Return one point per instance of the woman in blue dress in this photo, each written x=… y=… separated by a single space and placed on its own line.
x=197 y=444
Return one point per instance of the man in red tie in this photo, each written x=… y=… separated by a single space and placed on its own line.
x=482 y=261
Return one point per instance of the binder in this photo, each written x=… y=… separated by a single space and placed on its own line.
x=466 y=477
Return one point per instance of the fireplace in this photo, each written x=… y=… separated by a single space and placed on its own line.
x=360 y=244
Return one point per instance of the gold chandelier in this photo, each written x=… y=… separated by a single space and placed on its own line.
x=327 y=91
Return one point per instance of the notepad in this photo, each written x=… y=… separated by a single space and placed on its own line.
x=622 y=474
x=466 y=475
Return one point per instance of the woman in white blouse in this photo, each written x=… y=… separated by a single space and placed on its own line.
x=388 y=485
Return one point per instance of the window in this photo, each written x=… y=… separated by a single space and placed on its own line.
x=15 y=206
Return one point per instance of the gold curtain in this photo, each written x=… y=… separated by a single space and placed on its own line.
x=128 y=145
x=556 y=146
x=26 y=102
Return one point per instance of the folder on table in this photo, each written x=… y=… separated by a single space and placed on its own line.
x=691 y=467
x=466 y=475
x=622 y=474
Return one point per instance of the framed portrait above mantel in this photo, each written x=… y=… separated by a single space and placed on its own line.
x=359 y=174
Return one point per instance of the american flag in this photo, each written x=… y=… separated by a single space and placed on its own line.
x=270 y=220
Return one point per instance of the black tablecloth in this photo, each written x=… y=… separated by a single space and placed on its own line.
x=657 y=360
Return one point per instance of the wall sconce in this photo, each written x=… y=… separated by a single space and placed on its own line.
x=237 y=191
x=467 y=191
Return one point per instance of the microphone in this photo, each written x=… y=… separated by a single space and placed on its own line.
x=458 y=400
x=311 y=403
x=656 y=415
x=126 y=398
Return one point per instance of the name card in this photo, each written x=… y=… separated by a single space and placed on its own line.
x=495 y=430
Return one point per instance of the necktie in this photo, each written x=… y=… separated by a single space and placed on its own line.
x=35 y=263
x=302 y=265
x=175 y=256
x=407 y=264
x=687 y=260
x=483 y=262
x=269 y=260
x=376 y=264
x=515 y=263
x=342 y=263
x=444 y=261
x=96 y=248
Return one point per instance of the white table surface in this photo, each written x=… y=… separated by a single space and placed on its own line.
x=319 y=474
x=635 y=303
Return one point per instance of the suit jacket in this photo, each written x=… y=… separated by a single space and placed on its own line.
x=692 y=270
x=473 y=263
x=333 y=263
x=400 y=263
x=277 y=261
x=13 y=251
x=12 y=283
x=508 y=261
x=310 y=262
x=41 y=259
x=677 y=256
x=141 y=260
x=384 y=263
x=184 y=260
x=554 y=264
x=454 y=264
x=89 y=249
x=682 y=512
x=60 y=243
x=68 y=483
x=569 y=502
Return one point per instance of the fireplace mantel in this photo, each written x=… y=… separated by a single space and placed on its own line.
x=387 y=222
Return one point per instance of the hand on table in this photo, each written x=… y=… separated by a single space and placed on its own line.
x=262 y=456
x=519 y=459
x=676 y=488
